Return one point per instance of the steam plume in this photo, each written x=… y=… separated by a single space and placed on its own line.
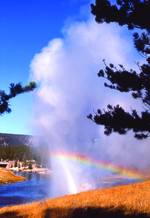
x=69 y=89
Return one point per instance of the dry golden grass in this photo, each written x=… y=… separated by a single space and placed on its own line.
x=6 y=176
x=122 y=201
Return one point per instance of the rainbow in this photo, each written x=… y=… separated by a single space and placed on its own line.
x=100 y=164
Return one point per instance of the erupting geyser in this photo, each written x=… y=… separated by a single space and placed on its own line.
x=68 y=90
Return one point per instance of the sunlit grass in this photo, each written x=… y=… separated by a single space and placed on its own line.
x=6 y=176
x=122 y=201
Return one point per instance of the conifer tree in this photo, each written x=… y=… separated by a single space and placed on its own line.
x=16 y=164
x=30 y=166
x=14 y=90
x=136 y=15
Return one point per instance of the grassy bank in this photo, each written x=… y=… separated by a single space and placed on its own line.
x=6 y=176
x=122 y=201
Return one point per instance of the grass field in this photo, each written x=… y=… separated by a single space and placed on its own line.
x=122 y=201
x=6 y=176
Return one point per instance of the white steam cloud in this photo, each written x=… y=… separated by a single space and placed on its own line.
x=69 y=89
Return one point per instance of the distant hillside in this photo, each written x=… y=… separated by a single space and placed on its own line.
x=14 y=140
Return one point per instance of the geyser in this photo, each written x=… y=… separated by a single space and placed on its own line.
x=68 y=90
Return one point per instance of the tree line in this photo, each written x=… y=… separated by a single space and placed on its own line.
x=24 y=153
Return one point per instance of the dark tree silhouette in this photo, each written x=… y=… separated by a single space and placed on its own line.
x=134 y=14
x=14 y=90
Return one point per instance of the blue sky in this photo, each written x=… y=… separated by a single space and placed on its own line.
x=26 y=27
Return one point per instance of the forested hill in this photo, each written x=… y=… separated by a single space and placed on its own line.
x=15 y=139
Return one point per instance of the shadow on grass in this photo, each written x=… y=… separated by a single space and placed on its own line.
x=89 y=213
x=11 y=215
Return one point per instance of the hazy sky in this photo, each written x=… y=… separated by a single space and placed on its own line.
x=26 y=27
